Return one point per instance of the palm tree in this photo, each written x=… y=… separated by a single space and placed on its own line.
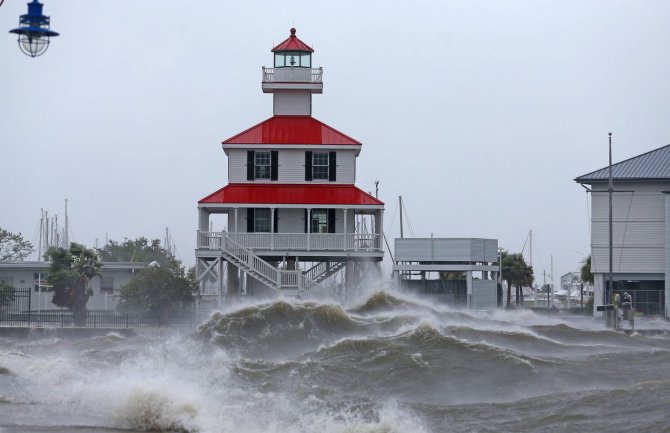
x=70 y=272
x=585 y=271
x=517 y=273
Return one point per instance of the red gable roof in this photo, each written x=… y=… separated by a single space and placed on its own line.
x=293 y=44
x=291 y=130
x=291 y=194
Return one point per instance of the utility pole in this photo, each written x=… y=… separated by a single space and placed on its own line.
x=610 y=188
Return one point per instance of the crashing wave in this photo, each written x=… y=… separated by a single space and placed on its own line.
x=152 y=411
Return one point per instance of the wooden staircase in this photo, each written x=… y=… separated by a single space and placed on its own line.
x=282 y=281
x=323 y=270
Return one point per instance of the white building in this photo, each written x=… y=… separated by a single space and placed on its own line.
x=294 y=215
x=641 y=230
x=419 y=262
x=33 y=275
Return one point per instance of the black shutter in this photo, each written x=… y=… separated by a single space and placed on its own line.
x=276 y=221
x=250 y=220
x=274 y=165
x=250 y=164
x=332 y=166
x=331 y=219
x=308 y=165
x=306 y=221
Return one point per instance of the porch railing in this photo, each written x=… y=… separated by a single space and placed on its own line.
x=292 y=75
x=294 y=241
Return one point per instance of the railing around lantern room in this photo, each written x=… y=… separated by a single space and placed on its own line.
x=292 y=75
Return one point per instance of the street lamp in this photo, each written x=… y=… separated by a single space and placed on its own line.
x=34 y=31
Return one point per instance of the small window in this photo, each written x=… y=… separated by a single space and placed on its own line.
x=262 y=165
x=262 y=220
x=306 y=60
x=320 y=165
x=319 y=221
x=279 y=60
x=107 y=285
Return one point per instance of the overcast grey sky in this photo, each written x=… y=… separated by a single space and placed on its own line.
x=479 y=113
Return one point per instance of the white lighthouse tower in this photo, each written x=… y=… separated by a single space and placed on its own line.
x=294 y=215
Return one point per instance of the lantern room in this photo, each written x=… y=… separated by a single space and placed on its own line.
x=293 y=53
x=292 y=71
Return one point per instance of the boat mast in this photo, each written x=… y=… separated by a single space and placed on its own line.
x=401 y=233
x=66 y=238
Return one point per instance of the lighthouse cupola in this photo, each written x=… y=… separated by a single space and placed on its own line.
x=292 y=80
x=293 y=53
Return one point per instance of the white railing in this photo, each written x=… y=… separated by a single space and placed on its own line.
x=292 y=75
x=291 y=279
x=254 y=262
x=294 y=241
x=279 y=278
x=316 y=270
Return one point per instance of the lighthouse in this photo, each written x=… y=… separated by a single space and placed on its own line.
x=294 y=215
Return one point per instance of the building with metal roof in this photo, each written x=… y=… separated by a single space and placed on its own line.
x=640 y=230
x=652 y=166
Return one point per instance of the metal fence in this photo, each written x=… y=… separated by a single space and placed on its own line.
x=646 y=302
x=16 y=309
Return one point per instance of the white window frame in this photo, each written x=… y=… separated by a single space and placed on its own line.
x=323 y=175
x=262 y=165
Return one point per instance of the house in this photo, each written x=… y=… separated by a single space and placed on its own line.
x=33 y=275
x=294 y=215
x=640 y=230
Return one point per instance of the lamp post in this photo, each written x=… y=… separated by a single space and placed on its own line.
x=34 y=31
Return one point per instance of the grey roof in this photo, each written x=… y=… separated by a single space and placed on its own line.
x=651 y=166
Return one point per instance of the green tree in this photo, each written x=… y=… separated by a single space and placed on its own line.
x=70 y=273
x=585 y=271
x=6 y=294
x=138 y=250
x=158 y=291
x=13 y=247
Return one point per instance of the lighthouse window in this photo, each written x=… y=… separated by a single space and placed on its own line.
x=320 y=165
x=293 y=59
x=319 y=221
x=262 y=165
x=262 y=220
x=305 y=60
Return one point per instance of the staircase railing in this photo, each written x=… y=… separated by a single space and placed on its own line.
x=276 y=277
x=323 y=270
x=255 y=263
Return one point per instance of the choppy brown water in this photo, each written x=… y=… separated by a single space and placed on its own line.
x=390 y=364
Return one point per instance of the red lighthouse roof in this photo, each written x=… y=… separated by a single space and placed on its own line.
x=291 y=194
x=291 y=130
x=293 y=44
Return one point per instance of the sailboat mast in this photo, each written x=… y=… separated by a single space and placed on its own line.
x=401 y=232
x=66 y=237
